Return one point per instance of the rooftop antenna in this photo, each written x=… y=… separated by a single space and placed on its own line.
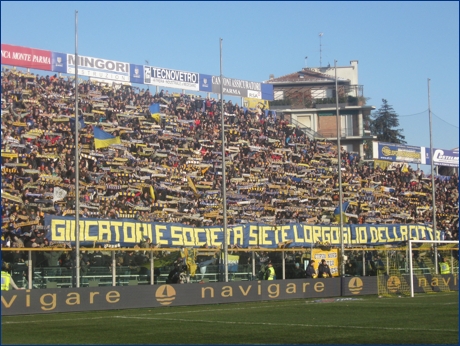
x=320 y=49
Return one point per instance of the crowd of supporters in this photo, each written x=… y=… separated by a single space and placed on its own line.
x=169 y=168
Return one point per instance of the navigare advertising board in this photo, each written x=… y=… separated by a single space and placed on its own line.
x=99 y=68
x=398 y=152
x=442 y=157
x=38 y=301
x=26 y=57
x=171 y=78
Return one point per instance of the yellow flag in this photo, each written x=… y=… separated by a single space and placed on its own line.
x=191 y=184
x=152 y=192
x=156 y=117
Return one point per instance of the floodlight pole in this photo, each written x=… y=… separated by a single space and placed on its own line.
x=224 y=183
x=342 y=250
x=77 y=175
x=433 y=187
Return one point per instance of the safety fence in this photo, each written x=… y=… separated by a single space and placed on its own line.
x=150 y=266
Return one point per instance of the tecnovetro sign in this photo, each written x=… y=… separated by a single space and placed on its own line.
x=99 y=68
x=171 y=78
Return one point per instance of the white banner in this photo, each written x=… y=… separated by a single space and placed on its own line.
x=99 y=68
x=59 y=194
x=171 y=78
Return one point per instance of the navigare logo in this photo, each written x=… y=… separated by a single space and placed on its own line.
x=355 y=285
x=393 y=284
x=165 y=294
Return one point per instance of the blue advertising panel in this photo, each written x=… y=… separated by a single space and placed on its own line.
x=399 y=153
x=59 y=62
x=267 y=92
x=128 y=232
x=137 y=74
x=442 y=157
x=205 y=83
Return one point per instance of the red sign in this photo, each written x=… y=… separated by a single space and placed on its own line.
x=26 y=57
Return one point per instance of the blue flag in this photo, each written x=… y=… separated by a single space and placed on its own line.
x=81 y=123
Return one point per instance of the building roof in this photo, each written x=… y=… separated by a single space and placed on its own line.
x=305 y=75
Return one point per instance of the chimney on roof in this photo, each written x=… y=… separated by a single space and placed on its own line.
x=272 y=76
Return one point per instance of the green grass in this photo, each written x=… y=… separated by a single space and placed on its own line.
x=424 y=319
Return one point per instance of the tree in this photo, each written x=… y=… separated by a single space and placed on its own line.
x=383 y=124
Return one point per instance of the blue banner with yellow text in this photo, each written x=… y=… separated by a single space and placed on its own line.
x=128 y=232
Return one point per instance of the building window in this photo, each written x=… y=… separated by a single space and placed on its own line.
x=279 y=95
x=347 y=125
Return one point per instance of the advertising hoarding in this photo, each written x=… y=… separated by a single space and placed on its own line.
x=137 y=74
x=398 y=152
x=442 y=157
x=99 y=68
x=171 y=78
x=26 y=57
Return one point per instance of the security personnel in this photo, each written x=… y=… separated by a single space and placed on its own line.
x=445 y=268
x=7 y=280
x=270 y=272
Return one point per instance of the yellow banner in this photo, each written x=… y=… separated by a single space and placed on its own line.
x=254 y=103
x=331 y=257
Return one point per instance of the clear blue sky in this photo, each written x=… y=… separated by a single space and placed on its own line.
x=399 y=45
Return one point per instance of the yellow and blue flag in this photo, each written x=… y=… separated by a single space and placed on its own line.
x=344 y=208
x=104 y=139
x=155 y=111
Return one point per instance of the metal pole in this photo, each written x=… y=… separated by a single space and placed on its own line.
x=224 y=183
x=77 y=175
x=433 y=188
x=342 y=250
x=152 y=269
x=388 y=264
x=411 y=272
x=364 y=264
x=253 y=265
x=30 y=273
x=284 y=265
x=114 y=269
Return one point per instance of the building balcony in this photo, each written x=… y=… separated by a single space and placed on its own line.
x=350 y=133
x=320 y=103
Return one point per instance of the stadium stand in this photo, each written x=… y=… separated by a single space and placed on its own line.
x=283 y=174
